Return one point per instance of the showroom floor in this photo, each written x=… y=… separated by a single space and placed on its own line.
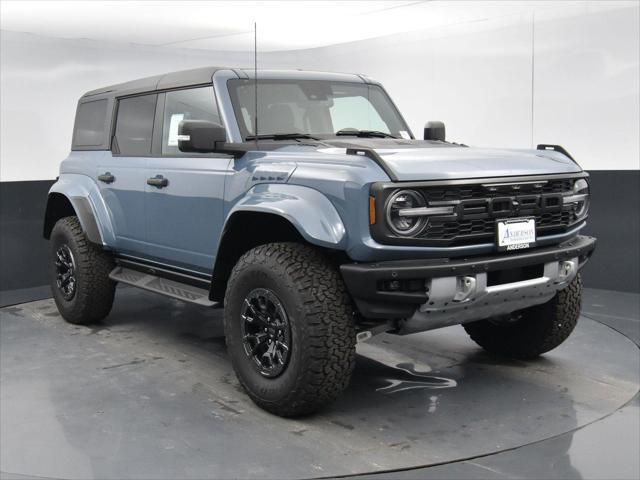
x=150 y=393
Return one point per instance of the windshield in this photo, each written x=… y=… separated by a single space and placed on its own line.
x=315 y=108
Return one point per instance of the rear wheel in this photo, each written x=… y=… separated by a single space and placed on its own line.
x=79 y=274
x=528 y=333
x=289 y=328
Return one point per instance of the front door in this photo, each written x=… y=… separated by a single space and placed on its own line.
x=185 y=192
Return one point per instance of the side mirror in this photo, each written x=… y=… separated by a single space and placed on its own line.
x=200 y=136
x=434 y=130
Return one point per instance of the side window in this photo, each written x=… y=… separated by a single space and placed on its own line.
x=134 y=125
x=90 y=124
x=192 y=104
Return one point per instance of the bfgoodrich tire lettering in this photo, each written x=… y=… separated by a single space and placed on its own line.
x=539 y=329
x=322 y=334
x=93 y=294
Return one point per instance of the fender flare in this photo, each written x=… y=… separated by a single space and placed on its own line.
x=86 y=199
x=308 y=210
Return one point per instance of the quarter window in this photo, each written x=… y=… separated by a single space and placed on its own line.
x=192 y=104
x=90 y=124
x=134 y=125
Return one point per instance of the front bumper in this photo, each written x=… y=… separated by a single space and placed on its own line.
x=454 y=291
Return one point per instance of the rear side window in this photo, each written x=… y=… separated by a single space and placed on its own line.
x=134 y=125
x=192 y=104
x=90 y=127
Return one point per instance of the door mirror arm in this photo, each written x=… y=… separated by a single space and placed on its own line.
x=200 y=136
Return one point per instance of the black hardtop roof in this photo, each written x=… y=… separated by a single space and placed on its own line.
x=203 y=76
x=196 y=76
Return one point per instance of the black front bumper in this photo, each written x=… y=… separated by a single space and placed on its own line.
x=365 y=281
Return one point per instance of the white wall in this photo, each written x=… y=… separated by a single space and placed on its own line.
x=43 y=78
x=586 y=86
x=565 y=75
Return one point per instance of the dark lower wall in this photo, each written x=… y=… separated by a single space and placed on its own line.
x=614 y=219
x=23 y=251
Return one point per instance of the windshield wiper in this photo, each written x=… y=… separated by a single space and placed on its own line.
x=282 y=136
x=352 y=132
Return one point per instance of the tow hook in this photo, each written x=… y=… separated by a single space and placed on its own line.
x=465 y=288
x=566 y=269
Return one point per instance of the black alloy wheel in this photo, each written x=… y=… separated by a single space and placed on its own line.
x=266 y=332
x=65 y=272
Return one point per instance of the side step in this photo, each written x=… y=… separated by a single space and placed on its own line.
x=163 y=286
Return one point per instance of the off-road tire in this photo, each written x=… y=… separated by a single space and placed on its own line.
x=540 y=329
x=95 y=291
x=322 y=355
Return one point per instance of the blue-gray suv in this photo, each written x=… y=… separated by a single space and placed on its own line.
x=303 y=204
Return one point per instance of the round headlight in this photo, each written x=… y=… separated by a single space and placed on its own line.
x=400 y=220
x=581 y=187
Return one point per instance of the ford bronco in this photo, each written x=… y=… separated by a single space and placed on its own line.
x=302 y=203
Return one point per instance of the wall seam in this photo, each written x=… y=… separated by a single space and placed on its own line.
x=533 y=68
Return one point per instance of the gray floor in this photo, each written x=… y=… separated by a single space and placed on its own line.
x=150 y=394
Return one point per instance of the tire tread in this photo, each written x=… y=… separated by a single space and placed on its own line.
x=328 y=325
x=543 y=327
x=95 y=291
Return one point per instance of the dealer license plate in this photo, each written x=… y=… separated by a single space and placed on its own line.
x=516 y=233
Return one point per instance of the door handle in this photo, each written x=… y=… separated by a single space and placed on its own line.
x=106 y=177
x=158 y=181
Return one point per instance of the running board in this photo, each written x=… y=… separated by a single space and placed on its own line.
x=163 y=286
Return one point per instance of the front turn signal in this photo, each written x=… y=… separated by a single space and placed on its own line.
x=372 y=210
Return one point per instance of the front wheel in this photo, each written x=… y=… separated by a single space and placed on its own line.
x=289 y=328
x=528 y=333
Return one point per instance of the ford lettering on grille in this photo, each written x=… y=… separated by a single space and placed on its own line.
x=478 y=206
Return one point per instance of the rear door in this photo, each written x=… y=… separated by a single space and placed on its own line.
x=121 y=174
x=184 y=209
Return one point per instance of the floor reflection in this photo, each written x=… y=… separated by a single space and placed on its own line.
x=150 y=392
x=384 y=376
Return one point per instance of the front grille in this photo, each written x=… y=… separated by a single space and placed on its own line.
x=478 y=206
x=473 y=206
x=467 y=192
